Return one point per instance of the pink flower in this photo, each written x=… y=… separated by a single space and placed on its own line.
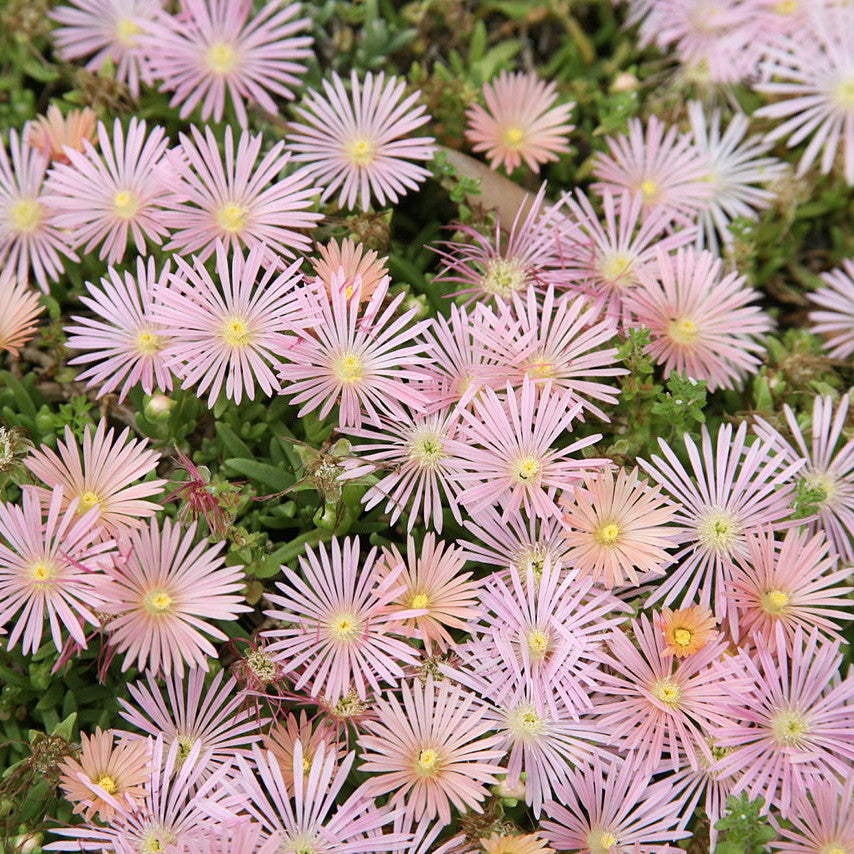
x=701 y=320
x=29 y=233
x=834 y=319
x=359 y=141
x=21 y=308
x=53 y=132
x=104 y=477
x=357 y=356
x=521 y=122
x=123 y=339
x=214 y=47
x=106 y=31
x=617 y=528
x=316 y=738
x=231 y=333
x=103 y=198
x=431 y=752
x=234 y=198
x=337 y=625
x=50 y=569
x=165 y=591
x=241 y=837
x=360 y=266
x=507 y=453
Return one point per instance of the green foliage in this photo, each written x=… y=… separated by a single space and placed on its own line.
x=744 y=829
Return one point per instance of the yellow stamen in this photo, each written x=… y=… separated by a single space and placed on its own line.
x=107 y=783
x=236 y=332
x=683 y=637
x=361 y=151
x=789 y=727
x=306 y=765
x=42 y=571
x=525 y=469
x=667 y=691
x=513 y=137
x=524 y=722
x=148 y=343
x=504 y=276
x=26 y=215
x=683 y=331
x=231 y=217
x=87 y=501
x=775 y=602
x=345 y=628
x=427 y=450
x=608 y=534
x=419 y=600
x=616 y=269
x=127 y=31
x=649 y=189
x=221 y=58
x=158 y=602
x=348 y=368
x=789 y=7
x=427 y=762
x=538 y=644
x=125 y=204
x=718 y=531
x=601 y=841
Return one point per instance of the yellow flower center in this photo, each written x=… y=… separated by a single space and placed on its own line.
x=427 y=763
x=185 y=746
x=789 y=7
x=608 y=534
x=158 y=602
x=538 y=644
x=157 y=839
x=127 y=31
x=125 y=204
x=524 y=722
x=148 y=343
x=683 y=637
x=601 y=841
x=683 y=331
x=503 y=276
x=649 y=190
x=832 y=848
x=525 y=469
x=348 y=368
x=42 y=571
x=789 y=727
x=345 y=628
x=427 y=450
x=88 y=500
x=513 y=137
x=826 y=482
x=306 y=765
x=775 y=602
x=107 y=783
x=361 y=151
x=231 y=217
x=540 y=367
x=221 y=58
x=236 y=332
x=667 y=691
x=419 y=600
x=718 y=531
x=26 y=215
x=616 y=269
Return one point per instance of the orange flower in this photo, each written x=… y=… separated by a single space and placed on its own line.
x=51 y=133
x=687 y=630
x=349 y=261
x=285 y=734
x=20 y=309
x=527 y=844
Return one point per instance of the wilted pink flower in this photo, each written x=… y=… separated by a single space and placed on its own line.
x=230 y=334
x=359 y=141
x=106 y=31
x=834 y=319
x=123 y=339
x=232 y=197
x=521 y=122
x=104 y=476
x=21 y=307
x=166 y=592
x=337 y=625
x=214 y=47
x=53 y=132
x=29 y=234
x=702 y=322
x=431 y=752
x=360 y=266
x=50 y=569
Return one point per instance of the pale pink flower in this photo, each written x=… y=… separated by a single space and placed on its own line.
x=337 y=627
x=53 y=132
x=506 y=451
x=21 y=308
x=521 y=122
x=316 y=738
x=232 y=197
x=701 y=320
x=106 y=31
x=231 y=334
x=50 y=569
x=29 y=234
x=703 y=787
x=123 y=339
x=218 y=47
x=362 y=357
x=242 y=837
x=358 y=141
x=360 y=266
x=431 y=752
x=617 y=528
x=828 y=466
x=102 y=474
x=834 y=318
x=166 y=592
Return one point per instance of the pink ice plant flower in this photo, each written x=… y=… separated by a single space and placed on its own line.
x=105 y=198
x=21 y=309
x=122 y=341
x=833 y=319
x=231 y=335
x=236 y=196
x=359 y=141
x=215 y=50
x=51 y=569
x=521 y=122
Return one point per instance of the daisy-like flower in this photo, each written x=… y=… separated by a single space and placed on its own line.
x=103 y=765
x=241 y=837
x=122 y=339
x=736 y=166
x=357 y=356
x=191 y=712
x=412 y=456
x=337 y=625
x=826 y=466
x=50 y=570
x=433 y=582
x=664 y=166
x=21 y=308
x=522 y=122
x=610 y=807
x=506 y=450
x=218 y=47
x=102 y=474
x=794 y=726
x=102 y=199
x=359 y=266
x=702 y=321
x=834 y=318
x=792 y=584
x=735 y=489
x=657 y=706
x=106 y=31
x=29 y=234
x=811 y=77
x=165 y=592
x=432 y=752
x=617 y=528
x=231 y=334
x=317 y=738
x=687 y=630
x=232 y=197
x=517 y=843
x=53 y=132
x=359 y=141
